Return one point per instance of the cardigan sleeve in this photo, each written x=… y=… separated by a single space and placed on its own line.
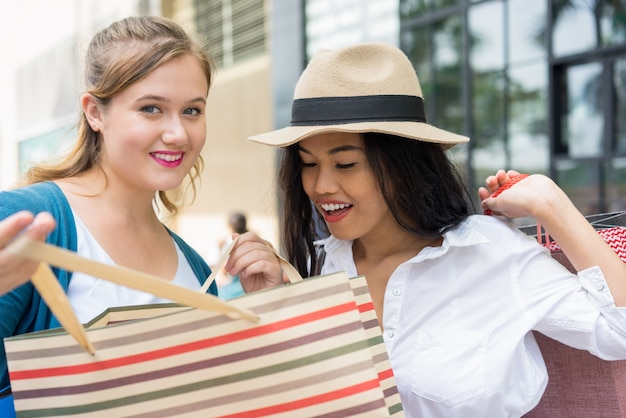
x=22 y=310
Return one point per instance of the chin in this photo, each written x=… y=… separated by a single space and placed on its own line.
x=169 y=184
x=343 y=235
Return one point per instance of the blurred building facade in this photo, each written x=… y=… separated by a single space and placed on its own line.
x=539 y=86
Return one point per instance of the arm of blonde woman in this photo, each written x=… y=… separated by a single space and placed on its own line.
x=540 y=197
x=15 y=271
x=253 y=259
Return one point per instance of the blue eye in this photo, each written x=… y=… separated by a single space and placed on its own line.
x=192 y=111
x=150 y=109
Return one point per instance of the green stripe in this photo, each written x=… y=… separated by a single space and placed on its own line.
x=395 y=409
x=130 y=400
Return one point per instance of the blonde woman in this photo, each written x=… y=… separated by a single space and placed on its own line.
x=141 y=130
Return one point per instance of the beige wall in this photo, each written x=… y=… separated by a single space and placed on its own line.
x=238 y=175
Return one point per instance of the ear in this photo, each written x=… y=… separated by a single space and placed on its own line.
x=91 y=111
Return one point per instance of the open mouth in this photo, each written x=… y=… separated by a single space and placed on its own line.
x=167 y=157
x=334 y=209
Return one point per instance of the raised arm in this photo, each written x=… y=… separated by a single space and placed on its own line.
x=540 y=197
x=15 y=271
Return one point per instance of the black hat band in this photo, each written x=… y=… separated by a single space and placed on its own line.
x=354 y=109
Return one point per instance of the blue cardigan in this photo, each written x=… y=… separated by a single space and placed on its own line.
x=23 y=310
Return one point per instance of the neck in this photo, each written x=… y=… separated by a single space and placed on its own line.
x=399 y=244
x=93 y=188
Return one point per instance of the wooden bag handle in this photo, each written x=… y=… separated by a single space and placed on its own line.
x=289 y=270
x=48 y=287
x=68 y=260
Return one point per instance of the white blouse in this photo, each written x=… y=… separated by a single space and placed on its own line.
x=90 y=296
x=458 y=318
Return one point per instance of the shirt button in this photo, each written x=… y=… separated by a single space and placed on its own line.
x=599 y=286
x=390 y=334
x=397 y=291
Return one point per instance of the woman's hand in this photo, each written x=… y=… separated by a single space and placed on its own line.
x=494 y=182
x=530 y=196
x=14 y=270
x=254 y=261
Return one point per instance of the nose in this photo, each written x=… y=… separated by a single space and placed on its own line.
x=325 y=181
x=174 y=131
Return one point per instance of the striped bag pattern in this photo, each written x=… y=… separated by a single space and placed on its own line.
x=615 y=237
x=379 y=351
x=316 y=351
x=611 y=227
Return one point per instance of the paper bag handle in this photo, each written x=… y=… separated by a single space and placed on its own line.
x=68 y=260
x=290 y=271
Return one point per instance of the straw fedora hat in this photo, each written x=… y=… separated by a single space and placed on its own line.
x=368 y=87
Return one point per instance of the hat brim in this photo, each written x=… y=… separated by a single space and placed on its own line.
x=412 y=130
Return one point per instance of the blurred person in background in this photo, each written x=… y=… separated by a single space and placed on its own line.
x=229 y=286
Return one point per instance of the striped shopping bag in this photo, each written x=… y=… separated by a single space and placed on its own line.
x=316 y=351
x=610 y=226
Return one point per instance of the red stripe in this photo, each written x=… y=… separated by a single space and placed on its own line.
x=385 y=374
x=183 y=348
x=366 y=307
x=303 y=403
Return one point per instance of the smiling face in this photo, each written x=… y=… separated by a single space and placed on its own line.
x=153 y=131
x=338 y=179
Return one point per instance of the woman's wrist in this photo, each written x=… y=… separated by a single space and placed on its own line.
x=549 y=201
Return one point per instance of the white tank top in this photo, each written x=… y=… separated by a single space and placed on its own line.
x=90 y=296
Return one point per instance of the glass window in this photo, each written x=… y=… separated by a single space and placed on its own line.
x=581 y=25
x=332 y=24
x=416 y=8
x=417 y=46
x=582 y=119
x=487 y=40
x=579 y=180
x=573 y=27
x=444 y=88
x=526 y=31
x=612 y=21
x=436 y=54
x=488 y=149
x=528 y=118
x=235 y=29
x=616 y=185
x=620 y=105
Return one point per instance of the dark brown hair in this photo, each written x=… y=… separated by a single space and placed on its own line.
x=422 y=187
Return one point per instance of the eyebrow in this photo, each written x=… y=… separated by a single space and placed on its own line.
x=335 y=150
x=164 y=99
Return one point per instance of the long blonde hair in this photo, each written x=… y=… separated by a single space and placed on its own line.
x=117 y=57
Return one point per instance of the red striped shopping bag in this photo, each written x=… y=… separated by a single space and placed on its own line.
x=610 y=226
x=316 y=351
